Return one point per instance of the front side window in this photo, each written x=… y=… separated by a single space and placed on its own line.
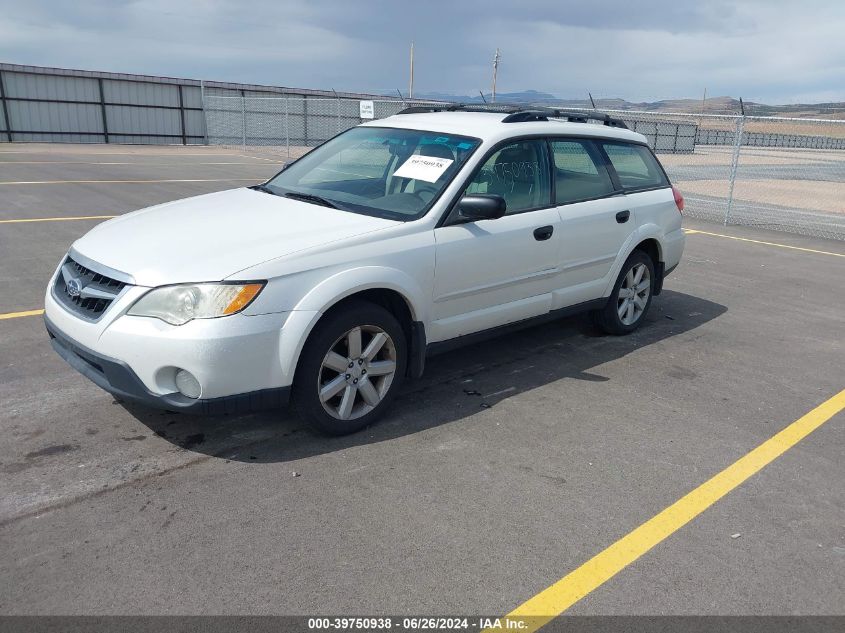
x=635 y=165
x=391 y=173
x=519 y=172
x=580 y=173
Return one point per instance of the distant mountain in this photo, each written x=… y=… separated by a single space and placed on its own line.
x=526 y=96
x=712 y=105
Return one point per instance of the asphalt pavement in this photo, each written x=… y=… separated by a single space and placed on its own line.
x=505 y=467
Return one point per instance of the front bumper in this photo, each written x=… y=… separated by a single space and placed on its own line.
x=118 y=378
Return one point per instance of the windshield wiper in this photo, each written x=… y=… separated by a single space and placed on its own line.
x=264 y=189
x=307 y=197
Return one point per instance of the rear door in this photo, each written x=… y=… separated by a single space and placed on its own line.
x=596 y=219
x=644 y=182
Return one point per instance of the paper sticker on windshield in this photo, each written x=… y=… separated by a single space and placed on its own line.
x=428 y=168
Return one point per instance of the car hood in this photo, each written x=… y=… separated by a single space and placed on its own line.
x=213 y=236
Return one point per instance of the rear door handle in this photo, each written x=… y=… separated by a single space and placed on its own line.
x=623 y=216
x=543 y=233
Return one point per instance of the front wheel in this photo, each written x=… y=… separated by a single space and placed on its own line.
x=350 y=368
x=631 y=297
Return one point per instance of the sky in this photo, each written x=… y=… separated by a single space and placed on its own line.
x=769 y=51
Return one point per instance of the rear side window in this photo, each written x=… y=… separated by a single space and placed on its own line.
x=635 y=165
x=579 y=172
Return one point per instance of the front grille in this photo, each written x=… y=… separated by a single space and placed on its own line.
x=84 y=291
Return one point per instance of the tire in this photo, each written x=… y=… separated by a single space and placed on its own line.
x=336 y=398
x=622 y=314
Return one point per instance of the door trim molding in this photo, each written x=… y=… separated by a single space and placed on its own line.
x=460 y=294
x=589 y=262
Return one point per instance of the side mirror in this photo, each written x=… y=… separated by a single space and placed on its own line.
x=482 y=207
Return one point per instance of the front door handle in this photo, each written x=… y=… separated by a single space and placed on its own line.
x=543 y=233
x=623 y=216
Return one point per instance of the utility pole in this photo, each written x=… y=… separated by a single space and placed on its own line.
x=496 y=59
x=411 y=83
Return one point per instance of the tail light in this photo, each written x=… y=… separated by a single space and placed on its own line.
x=679 y=199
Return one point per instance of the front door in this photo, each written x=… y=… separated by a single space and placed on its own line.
x=493 y=272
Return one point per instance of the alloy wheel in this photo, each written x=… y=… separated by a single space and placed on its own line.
x=633 y=294
x=356 y=372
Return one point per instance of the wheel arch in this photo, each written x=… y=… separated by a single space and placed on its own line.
x=391 y=289
x=648 y=239
x=650 y=246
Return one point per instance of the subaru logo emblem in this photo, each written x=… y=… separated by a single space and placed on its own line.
x=74 y=287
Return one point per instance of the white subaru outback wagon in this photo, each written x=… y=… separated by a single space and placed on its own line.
x=330 y=283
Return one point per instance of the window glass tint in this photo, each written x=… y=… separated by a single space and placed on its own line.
x=578 y=175
x=388 y=173
x=635 y=165
x=364 y=160
x=519 y=173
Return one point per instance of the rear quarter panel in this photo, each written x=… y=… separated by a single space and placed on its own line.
x=657 y=218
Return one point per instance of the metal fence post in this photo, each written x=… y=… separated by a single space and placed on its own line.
x=182 y=115
x=243 y=118
x=103 y=109
x=5 y=109
x=305 y=119
x=287 y=126
x=204 y=111
x=740 y=124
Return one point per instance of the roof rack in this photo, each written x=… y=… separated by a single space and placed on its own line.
x=521 y=113
x=544 y=114
x=455 y=107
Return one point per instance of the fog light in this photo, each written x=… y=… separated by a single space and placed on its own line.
x=188 y=385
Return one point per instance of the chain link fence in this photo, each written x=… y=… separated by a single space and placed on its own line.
x=777 y=173
x=290 y=126
x=772 y=172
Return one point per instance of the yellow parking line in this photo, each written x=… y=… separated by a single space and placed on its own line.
x=745 y=239
x=66 y=182
x=542 y=608
x=17 y=315
x=80 y=217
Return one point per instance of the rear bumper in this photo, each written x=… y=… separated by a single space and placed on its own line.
x=117 y=378
x=673 y=248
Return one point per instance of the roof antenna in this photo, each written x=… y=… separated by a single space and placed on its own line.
x=591 y=100
x=401 y=97
x=482 y=97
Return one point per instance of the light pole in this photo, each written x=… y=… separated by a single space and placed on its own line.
x=496 y=59
x=411 y=83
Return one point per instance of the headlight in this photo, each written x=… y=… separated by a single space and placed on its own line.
x=179 y=304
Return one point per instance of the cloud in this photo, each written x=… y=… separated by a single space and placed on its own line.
x=761 y=50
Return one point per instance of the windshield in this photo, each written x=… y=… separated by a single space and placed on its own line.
x=389 y=173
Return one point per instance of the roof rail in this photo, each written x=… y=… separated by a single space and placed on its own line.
x=544 y=114
x=521 y=113
x=456 y=107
